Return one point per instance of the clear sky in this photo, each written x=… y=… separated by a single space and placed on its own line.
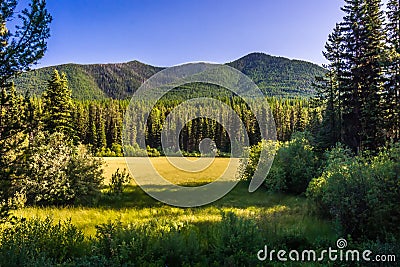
x=171 y=32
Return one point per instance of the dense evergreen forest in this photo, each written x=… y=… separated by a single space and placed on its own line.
x=99 y=123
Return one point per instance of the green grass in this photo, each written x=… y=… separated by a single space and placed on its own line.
x=275 y=213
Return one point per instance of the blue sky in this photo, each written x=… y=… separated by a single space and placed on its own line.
x=166 y=33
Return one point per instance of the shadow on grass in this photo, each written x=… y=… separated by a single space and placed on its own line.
x=238 y=197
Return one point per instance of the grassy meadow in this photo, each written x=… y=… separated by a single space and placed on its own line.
x=275 y=213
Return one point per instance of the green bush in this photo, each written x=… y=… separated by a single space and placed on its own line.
x=295 y=164
x=40 y=243
x=114 y=151
x=360 y=193
x=152 y=152
x=232 y=242
x=57 y=173
x=134 y=151
x=118 y=182
x=298 y=162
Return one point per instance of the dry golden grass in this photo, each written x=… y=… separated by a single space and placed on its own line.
x=175 y=175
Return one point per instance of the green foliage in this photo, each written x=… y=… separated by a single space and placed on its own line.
x=362 y=54
x=40 y=243
x=359 y=192
x=231 y=242
x=152 y=152
x=57 y=106
x=275 y=76
x=26 y=44
x=114 y=151
x=14 y=125
x=297 y=160
x=118 y=182
x=134 y=151
x=295 y=164
x=59 y=173
x=20 y=48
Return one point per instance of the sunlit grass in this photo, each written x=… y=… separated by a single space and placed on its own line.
x=176 y=175
x=275 y=213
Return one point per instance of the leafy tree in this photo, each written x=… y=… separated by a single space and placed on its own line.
x=57 y=172
x=294 y=166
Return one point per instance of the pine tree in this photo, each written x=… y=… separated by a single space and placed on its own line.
x=57 y=106
x=353 y=96
x=19 y=49
x=101 y=131
x=27 y=44
x=13 y=128
x=372 y=111
x=393 y=70
x=329 y=91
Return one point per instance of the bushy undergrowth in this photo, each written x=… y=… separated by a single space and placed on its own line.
x=119 y=180
x=295 y=164
x=233 y=241
x=360 y=193
x=56 y=172
x=40 y=243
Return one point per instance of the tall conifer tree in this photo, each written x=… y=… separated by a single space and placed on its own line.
x=57 y=106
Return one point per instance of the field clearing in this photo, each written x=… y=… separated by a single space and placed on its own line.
x=173 y=174
x=278 y=213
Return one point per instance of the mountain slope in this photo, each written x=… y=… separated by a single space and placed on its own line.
x=276 y=76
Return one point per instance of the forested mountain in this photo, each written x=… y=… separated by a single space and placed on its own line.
x=276 y=76
x=94 y=81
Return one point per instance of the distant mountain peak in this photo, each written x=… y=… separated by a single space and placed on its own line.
x=276 y=76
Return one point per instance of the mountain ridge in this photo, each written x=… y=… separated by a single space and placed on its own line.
x=276 y=76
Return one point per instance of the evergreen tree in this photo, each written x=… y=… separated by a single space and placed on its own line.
x=393 y=70
x=101 y=131
x=18 y=51
x=13 y=126
x=329 y=91
x=27 y=44
x=91 y=137
x=57 y=106
x=353 y=93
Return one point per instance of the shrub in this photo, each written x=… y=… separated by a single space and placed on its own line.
x=231 y=242
x=360 y=193
x=152 y=152
x=114 y=151
x=118 y=182
x=40 y=243
x=134 y=151
x=56 y=172
x=253 y=157
x=295 y=164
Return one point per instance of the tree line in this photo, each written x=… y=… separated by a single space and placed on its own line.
x=99 y=123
